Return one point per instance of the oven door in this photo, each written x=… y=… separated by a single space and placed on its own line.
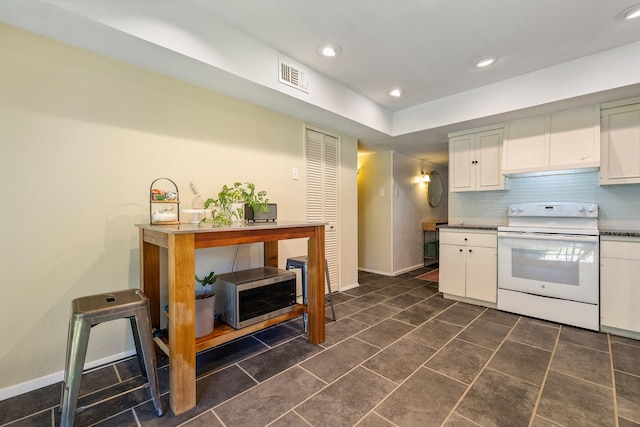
x=554 y=265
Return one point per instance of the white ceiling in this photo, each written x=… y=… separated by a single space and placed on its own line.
x=552 y=54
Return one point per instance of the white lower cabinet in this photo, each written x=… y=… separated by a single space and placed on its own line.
x=620 y=285
x=469 y=265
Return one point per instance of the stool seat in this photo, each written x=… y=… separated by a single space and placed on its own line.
x=90 y=311
x=301 y=263
x=105 y=307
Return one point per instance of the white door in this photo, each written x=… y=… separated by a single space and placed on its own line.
x=526 y=144
x=489 y=160
x=462 y=163
x=322 y=193
x=482 y=273
x=620 y=163
x=452 y=270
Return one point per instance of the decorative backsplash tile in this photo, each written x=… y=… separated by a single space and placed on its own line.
x=619 y=204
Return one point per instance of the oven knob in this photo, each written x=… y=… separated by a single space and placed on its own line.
x=581 y=209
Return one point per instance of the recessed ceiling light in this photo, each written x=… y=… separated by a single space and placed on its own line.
x=485 y=61
x=629 y=13
x=329 y=50
x=396 y=93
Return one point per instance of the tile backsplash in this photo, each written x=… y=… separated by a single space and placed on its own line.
x=619 y=205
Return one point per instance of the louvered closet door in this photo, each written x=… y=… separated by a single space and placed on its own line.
x=322 y=193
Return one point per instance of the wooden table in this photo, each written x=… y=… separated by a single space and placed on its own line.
x=181 y=242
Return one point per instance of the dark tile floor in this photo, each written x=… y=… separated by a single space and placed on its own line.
x=399 y=355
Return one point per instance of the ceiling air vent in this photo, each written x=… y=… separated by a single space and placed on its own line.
x=293 y=76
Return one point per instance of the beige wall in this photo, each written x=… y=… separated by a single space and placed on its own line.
x=83 y=137
x=375 y=213
x=411 y=208
x=392 y=204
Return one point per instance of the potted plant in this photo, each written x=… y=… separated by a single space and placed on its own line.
x=228 y=208
x=205 y=304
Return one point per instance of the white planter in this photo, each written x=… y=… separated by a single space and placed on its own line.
x=237 y=213
x=205 y=314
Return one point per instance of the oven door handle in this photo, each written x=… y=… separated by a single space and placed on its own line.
x=547 y=236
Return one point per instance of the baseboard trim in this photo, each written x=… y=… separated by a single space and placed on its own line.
x=47 y=380
x=346 y=288
x=388 y=274
x=408 y=269
x=382 y=273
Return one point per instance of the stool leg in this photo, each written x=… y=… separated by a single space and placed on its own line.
x=330 y=298
x=136 y=340
x=305 y=301
x=290 y=265
x=76 y=354
x=145 y=344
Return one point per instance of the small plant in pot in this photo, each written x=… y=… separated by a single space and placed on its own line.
x=205 y=305
x=228 y=208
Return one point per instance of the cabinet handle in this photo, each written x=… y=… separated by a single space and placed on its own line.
x=470 y=251
x=460 y=250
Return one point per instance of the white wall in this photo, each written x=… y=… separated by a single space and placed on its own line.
x=82 y=139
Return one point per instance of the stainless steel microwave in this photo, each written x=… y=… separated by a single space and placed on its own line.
x=247 y=297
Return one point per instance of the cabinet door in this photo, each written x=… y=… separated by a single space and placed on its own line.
x=461 y=163
x=525 y=146
x=620 y=293
x=620 y=163
x=452 y=270
x=574 y=138
x=488 y=160
x=482 y=273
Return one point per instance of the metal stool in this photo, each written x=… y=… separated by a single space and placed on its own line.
x=301 y=263
x=89 y=311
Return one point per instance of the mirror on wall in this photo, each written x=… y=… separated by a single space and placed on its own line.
x=434 y=189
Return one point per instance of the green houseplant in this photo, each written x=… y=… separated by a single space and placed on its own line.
x=228 y=208
x=205 y=304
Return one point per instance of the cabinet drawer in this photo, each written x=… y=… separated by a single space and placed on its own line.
x=620 y=250
x=489 y=240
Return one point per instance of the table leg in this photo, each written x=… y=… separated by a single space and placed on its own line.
x=150 y=277
x=182 y=341
x=271 y=254
x=315 y=286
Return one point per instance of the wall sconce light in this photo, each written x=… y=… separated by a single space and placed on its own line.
x=425 y=176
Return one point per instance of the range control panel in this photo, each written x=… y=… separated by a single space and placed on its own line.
x=554 y=209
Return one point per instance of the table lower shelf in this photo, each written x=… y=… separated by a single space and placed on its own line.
x=223 y=333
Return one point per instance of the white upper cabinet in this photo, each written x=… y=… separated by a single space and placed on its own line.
x=474 y=160
x=559 y=141
x=620 y=145
x=525 y=145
